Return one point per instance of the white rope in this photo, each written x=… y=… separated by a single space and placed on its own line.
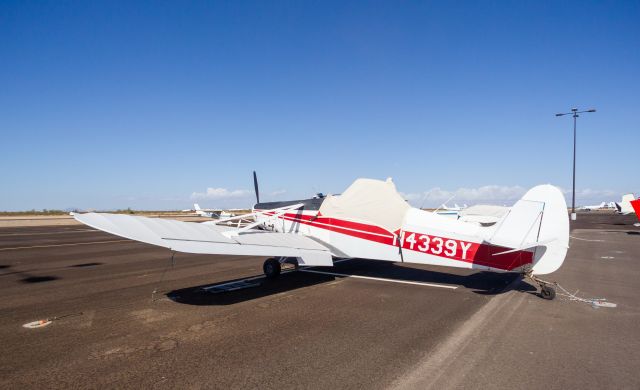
x=594 y=302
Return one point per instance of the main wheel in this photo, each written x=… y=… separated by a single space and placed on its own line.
x=271 y=268
x=293 y=261
x=547 y=292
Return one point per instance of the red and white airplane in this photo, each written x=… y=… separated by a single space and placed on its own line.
x=636 y=207
x=370 y=220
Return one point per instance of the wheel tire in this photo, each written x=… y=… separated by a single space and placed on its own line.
x=293 y=261
x=271 y=268
x=547 y=292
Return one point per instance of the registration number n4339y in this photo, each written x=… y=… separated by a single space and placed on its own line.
x=439 y=246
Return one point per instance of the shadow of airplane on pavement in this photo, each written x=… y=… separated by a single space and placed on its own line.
x=484 y=283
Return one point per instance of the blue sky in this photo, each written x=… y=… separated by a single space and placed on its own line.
x=149 y=104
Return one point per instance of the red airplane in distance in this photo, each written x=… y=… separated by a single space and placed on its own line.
x=636 y=207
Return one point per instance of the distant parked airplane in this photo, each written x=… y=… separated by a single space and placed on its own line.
x=450 y=211
x=624 y=207
x=601 y=206
x=212 y=213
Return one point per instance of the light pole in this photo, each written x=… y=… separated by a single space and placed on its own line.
x=574 y=112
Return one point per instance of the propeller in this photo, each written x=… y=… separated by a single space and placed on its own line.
x=255 y=186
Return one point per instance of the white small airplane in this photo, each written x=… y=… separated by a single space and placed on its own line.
x=450 y=211
x=370 y=220
x=212 y=213
x=600 y=206
x=625 y=207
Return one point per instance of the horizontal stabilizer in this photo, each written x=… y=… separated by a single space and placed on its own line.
x=527 y=246
x=537 y=223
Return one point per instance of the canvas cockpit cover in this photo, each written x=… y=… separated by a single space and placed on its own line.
x=368 y=200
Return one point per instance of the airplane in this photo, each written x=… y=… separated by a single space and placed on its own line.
x=624 y=207
x=601 y=206
x=636 y=207
x=369 y=220
x=449 y=211
x=212 y=213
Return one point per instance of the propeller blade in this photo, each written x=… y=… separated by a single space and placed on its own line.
x=255 y=186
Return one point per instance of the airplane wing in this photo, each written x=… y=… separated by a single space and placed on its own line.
x=190 y=237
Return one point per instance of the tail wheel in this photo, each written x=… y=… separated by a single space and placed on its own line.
x=547 y=292
x=271 y=268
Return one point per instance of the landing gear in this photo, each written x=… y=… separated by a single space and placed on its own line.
x=547 y=292
x=546 y=288
x=271 y=268
x=293 y=261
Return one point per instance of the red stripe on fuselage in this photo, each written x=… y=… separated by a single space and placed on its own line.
x=354 y=229
x=466 y=251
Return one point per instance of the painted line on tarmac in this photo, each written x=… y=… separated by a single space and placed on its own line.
x=41 y=233
x=584 y=239
x=380 y=279
x=454 y=352
x=57 y=245
x=218 y=285
x=234 y=282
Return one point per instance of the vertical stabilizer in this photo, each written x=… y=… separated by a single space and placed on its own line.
x=538 y=222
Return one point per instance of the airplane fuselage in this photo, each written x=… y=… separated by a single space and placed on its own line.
x=456 y=244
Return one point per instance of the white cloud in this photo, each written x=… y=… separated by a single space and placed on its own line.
x=588 y=193
x=589 y=196
x=500 y=195
x=220 y=193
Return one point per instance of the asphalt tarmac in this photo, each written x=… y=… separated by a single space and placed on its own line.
x=447 y=328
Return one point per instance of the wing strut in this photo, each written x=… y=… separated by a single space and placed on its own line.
x=254 y=213
x=280 y=211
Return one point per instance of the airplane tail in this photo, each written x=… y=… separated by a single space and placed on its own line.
x=197 y=208
x=624 y=207
x=537 y=222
